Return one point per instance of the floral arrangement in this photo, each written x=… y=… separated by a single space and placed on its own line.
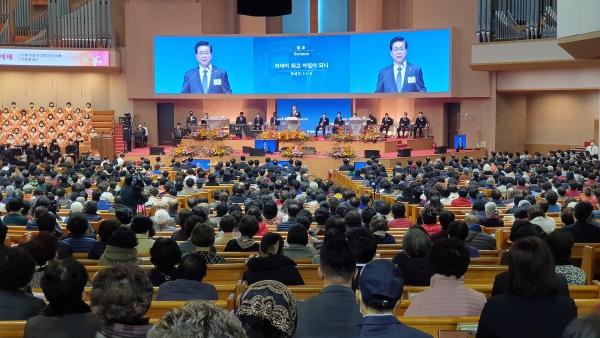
x=344 y=137
x=371 y=136
x=342 y=152
x=184 y=150
x=214 y=151
x=291 y=152
x=286 y=136
x=204 y=134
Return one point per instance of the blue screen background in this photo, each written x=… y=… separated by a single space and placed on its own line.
x=345 y=63
x=173 y=56
x=313 y=109
x=272 y=144
x=428 y=49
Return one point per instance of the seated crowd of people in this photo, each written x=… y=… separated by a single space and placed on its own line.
x=279 y=213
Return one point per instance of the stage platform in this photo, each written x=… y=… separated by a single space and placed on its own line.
x=319 y=165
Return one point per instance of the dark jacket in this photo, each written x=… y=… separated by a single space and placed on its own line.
x=64 y=250
x=233 y=246
x=513 y=316
x=383 y=327
x=114 y=255
x=327 y=314
x=415 y=270
x=278 y=267
x=77 y=322
x=492 y=222
x=18 y=305
x=158 y=276
x=131 y=196
x=185 y=289
x=584 y=232
x=386 y=239
x=501 y=284
x=97 y=250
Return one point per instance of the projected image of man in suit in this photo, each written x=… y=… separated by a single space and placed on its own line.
x=401 y=76
x=206 y=78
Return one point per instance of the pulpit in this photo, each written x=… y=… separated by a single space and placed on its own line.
x=355 y=125
x=104 y=145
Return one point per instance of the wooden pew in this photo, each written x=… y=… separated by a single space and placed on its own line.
x=590 y=259
x=158 y=309
x=433 y=325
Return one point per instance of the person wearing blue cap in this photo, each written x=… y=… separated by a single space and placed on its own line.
x=380 y=290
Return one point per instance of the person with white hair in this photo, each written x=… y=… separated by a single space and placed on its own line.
x=75 y=208
x=161 y=221
x=27 y=190
x=9 y=190
x=104 y=203
x=492 y=213
x=313 y=186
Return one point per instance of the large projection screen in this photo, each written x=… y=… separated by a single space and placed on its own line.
x=395 y=62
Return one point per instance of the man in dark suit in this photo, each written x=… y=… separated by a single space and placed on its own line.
x=404 y=125
x=178 y=130
x=191 y=120
x=323 y=122
x=400 y=76
x=295 y=113
x=372 y=120
x=274 y=121
x=420 y=123
x=206 y=78
x=380 y=289
x=346 y=166
x=258 y=123
x=386 y=123
x=240 y=119
x=338 y=123
x=334 y=310
x=266 y=148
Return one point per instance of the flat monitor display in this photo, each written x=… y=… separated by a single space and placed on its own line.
x=460 y=141
x=359 y=165
x=269 y=146
x=204 y=164
x=343 y=63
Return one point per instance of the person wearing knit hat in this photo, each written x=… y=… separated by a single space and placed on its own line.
x=267 y=309
x=380 y=290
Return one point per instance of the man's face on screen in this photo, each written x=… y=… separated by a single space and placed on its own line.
x=399 y=52
x=203 y=56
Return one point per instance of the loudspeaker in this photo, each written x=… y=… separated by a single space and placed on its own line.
x=247 y=132
x=246 y=150
x=95 y=160
x=372 y=153
x=264 y=7
x=257 y=152
x=404 y=152
x=157 y=150
x=440 y=150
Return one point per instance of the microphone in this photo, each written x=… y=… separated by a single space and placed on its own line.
x=188 y=82
x=386 y=75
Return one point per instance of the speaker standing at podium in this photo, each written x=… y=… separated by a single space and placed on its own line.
x=240 y=120
x=295 y=113
x=192 y=120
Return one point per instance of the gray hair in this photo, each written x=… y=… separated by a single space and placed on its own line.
x=300 y=199
x=161 y=217
x=10 y=190
x=76 y=207
x=27 y=188
x=416 y=242
x=491 y=209
x=379 y=223
x=106 y=196
x=192 y=317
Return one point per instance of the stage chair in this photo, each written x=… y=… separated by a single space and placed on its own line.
x=138 y=138
x=176 y=138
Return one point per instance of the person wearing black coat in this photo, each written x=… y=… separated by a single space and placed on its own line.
x=416 y=270
x=533 y=305
x=272 y=265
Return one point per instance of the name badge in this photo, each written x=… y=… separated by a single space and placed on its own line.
x=217 y=82
x=411 y=79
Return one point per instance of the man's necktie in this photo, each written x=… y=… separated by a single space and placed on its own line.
x=205 y=82
x=399 y=81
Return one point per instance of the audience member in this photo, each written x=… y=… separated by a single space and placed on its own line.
x=561 y=242
x=203 y=238
x=16 y=270
x=248 y=227
x=413 y=259
x=272 y=264
x=297 y=239
x=165 y=255
x=188 y=285
x=120 y=248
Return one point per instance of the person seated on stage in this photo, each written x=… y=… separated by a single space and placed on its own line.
x=266 y=148
x=70 y=122
x=258 y=122
x=16 y=136
x=25 y=140
x=323 y=123
x=403 y=125
x=386 y=123
x=274 y=121
x=203 y=121
x=62 y=128
x=93 y=133
x=61 y=140
x=372 y=120
x=24 y=127
x=338 y=123
x=240 y=119
x=178 y=131
x=51 y=133
x=70 y=133
x=78 y=138
x=71 y=148
x=420 y=123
